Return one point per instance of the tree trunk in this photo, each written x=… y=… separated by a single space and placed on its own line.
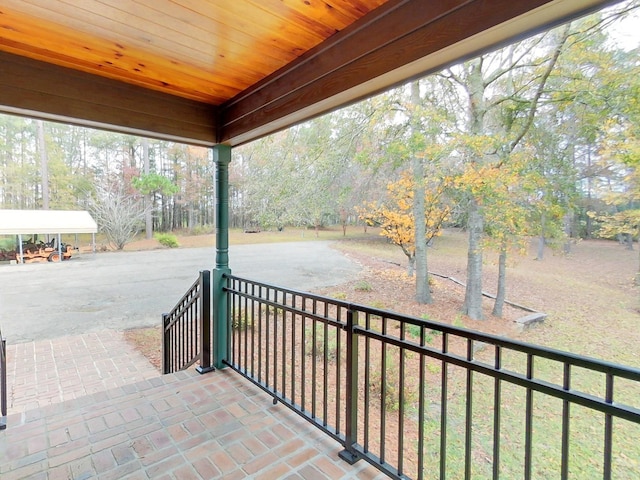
x=473 y=294
x=44 y=165
x=411 y=265
x=567 y=220
x=477 y=110
x=191 y=217
x=541 y=242
x=148 y=216
x=502 y=280
x=423 y=293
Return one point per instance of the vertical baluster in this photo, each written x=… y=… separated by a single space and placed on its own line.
x=174 y=346
x=236 y=314
x=233 y=321
x=192 y=338
x=274 y=343
x=468 y=414
x=253 y=330
x=3 y=382
x=367 y=382
x=314 y=362
x=443 y=410
x=383 y=392
x=284 y=345
x=325 y=395
x=294 y=319
x=401 y=402
x=608 y=429
x=179 y=343
x=528 y=421
x=267 y=361
x=303 y=357
x=195 y=334
x=186 y=336
x=421 y=406
x=243 y=330
x=338 y=369
x=497 y=401
x=194 y=328
x=566 y=415
x=260 y=335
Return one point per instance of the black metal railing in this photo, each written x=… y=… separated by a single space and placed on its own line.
x=3 y=382
x=420 y=399
x=186 y=330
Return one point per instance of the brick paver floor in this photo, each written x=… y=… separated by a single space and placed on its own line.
x=90 y=406
x=52 y=371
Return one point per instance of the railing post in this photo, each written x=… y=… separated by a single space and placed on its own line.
x=349 y=454
x=222 y=158
x=220 y=318
x=205 y=323
x=3 y=383
x=166 y=346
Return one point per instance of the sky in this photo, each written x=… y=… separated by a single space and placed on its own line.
x=626 y=33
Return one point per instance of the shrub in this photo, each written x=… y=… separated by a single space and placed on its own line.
x=241 y=321
x=330 y=343
x=413 y=330
x=7 y=244
x=363 y=286
x=392 y=384
x=167 y=239
x=203 y=230
x=378 y=304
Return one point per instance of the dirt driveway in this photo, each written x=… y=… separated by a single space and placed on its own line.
x=123 y=290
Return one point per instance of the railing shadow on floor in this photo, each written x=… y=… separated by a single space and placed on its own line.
x=421 y=399
x=186 y=330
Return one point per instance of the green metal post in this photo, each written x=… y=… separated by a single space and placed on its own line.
x=222 y=158
x=349 y=454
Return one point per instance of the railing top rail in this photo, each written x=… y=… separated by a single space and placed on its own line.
x=576 y=360
x=184 y=297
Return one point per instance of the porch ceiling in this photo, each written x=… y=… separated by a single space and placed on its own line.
x=222 y=71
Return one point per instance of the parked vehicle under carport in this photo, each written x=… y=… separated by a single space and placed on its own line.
x=50 y=223
x=34 y=250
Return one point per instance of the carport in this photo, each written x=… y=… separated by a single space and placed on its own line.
x=46 y=222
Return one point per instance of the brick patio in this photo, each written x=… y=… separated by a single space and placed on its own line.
x=121 y=419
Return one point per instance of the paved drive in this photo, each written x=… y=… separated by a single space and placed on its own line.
x=122 y=290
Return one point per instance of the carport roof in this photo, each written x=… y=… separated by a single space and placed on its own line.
x=16 y=222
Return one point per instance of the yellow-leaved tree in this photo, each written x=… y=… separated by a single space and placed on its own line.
x=395 y=215
x=506 y=197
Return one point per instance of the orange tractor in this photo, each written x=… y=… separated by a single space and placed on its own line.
x=39 y=251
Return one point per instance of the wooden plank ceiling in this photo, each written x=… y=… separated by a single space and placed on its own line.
x=211 y=71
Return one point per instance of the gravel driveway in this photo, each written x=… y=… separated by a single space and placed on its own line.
x=121 y=290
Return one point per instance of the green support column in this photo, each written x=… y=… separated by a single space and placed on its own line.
x=222 y=158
